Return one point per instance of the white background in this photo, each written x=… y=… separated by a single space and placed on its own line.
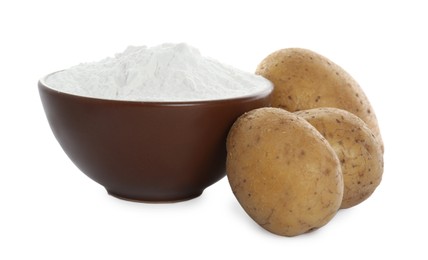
x=50 y=210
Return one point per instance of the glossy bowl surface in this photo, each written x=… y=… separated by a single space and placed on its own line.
x=146 y=151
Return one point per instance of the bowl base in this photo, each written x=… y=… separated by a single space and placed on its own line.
x=158 y=201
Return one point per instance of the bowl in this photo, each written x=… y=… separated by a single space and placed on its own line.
x=146 y=151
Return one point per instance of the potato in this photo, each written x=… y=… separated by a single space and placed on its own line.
x=356 y=147
x=283 y=172
x=304 y=79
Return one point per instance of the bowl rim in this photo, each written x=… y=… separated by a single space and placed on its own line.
x=256 y=95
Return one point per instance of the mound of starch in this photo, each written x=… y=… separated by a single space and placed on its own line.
x=167 y=72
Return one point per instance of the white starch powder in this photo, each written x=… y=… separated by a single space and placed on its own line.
x=167 y=72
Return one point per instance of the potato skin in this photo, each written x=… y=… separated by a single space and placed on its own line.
x=304 y=79
x=283 y=172
x=357 y=148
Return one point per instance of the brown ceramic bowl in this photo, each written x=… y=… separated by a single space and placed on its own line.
x=146 y=151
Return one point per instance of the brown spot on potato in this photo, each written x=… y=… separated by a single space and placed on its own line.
x=318 y=98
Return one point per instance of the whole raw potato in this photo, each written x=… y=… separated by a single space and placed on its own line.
x=304 y=79
x=357 y=148
x=283 y=172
